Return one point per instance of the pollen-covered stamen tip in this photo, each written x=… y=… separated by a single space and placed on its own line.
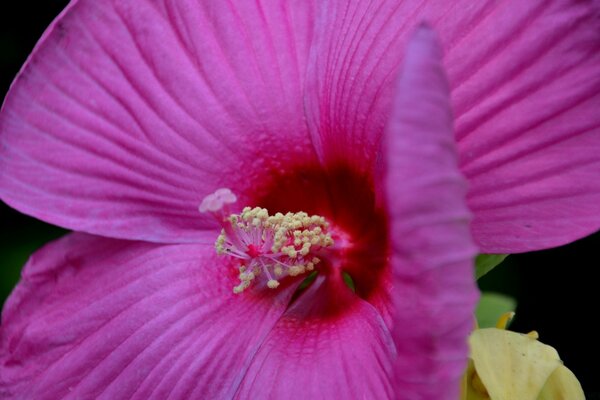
x=269 y=247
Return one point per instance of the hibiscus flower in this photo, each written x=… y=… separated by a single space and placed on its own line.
x=129 y=113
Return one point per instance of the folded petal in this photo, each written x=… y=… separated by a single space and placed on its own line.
x=562 y=384
x=129 y=112
x=525 y=90
x=107 y=319
x=432 y=250
x=512 y=365
x=330 y=344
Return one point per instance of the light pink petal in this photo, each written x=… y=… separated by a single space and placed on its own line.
x=100 y=318
x=329 y=345
x=129 y=112
x=525 y=89
x=432 y=250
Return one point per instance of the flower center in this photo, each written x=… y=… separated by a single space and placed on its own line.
x=268 y=246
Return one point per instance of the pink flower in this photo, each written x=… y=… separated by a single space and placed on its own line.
x=129 y=113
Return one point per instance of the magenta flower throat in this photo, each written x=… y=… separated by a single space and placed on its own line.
x=347 y=162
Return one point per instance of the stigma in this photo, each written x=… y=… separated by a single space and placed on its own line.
x=267 y=247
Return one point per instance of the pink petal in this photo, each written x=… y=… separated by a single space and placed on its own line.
x=101 y=318
x=525 y=89
x=329 y=345
x=129 y=112
x=358 y=47
x=432 y=251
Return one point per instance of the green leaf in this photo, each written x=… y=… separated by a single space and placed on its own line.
x=491 y=306
x=484 y=263
x=349 y=281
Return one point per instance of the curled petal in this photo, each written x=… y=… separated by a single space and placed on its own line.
x=512 y=365
x=432 y=250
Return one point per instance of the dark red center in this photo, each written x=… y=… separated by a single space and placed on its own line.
x=350 y=202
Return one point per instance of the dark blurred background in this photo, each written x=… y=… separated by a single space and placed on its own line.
x=556 y=290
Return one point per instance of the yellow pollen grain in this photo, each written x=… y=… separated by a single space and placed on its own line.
x=272 y=284
x=220 y=243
